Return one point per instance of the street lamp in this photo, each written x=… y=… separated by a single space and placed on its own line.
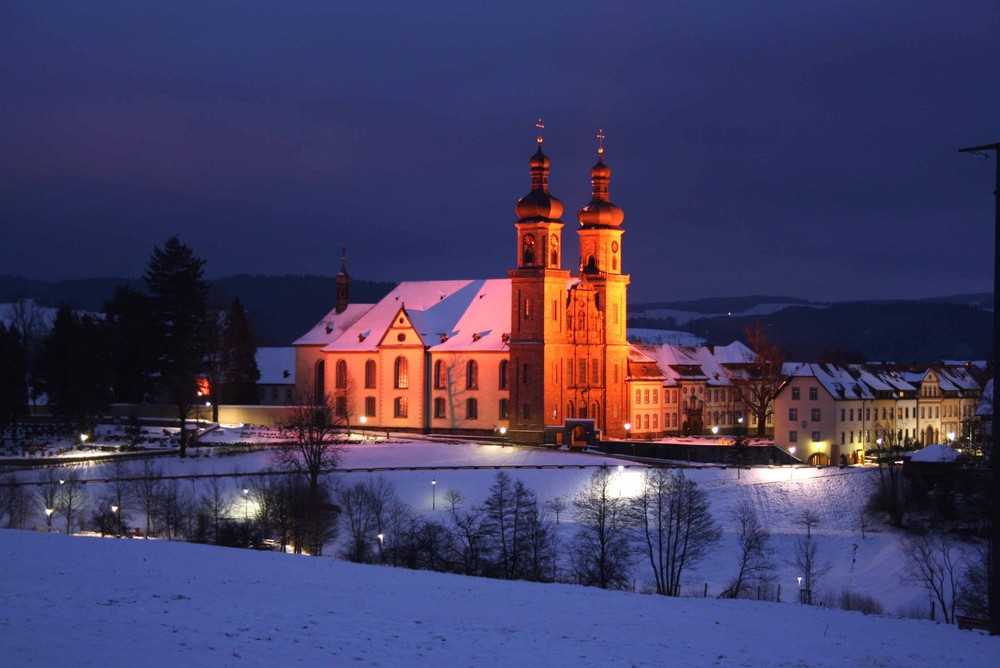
x=83 y=439
x=364 y=421
x=791 y=467
x=118 y=523
x=715 y=430
x=246 y=504
x=434 y=494
x=951 y=437
x=48 y=517
x=628 y=430
x=503 y=431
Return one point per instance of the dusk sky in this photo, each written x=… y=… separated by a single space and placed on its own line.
x=804 y=147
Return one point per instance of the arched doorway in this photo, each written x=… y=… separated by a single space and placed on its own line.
x=819 y=459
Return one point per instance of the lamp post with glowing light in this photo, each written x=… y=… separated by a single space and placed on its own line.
x=364 y=421
x=791 y=467
x=381 y=556
x=246 y=504
x=628 y=430
x=434 y=483
x=83 y=440
x=48 y=517
x=118 y=523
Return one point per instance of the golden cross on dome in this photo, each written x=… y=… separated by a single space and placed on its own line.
x=600 y=142
x=540 y=126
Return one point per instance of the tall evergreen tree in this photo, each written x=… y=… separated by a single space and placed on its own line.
x=13 y=379
x=239 y=358
x=180 y=294
x=130 y=328
x=74 y=367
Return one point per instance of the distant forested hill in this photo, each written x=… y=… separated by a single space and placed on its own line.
x=911 y=331
x=282 y=307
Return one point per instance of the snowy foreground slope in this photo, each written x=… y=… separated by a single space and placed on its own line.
x=106 y=602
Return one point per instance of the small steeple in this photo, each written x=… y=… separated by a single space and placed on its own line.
x=343 y=281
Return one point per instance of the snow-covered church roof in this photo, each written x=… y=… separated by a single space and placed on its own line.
x=467 y=315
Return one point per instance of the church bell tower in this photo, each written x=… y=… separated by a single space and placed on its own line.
x=538 y=294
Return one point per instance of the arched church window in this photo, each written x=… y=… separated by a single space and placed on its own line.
x=370 y=374
x=472 y=375
x=528 y=252
x=401 y=375
x=554 y=250
x=503 y=374
x=440 y=381
x=341 y=375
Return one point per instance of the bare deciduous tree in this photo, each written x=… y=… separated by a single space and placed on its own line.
x=314 y=449
x=753 y=541
x=71 y=498
x=763 y=376
x=931 y=561
x=600 y=551
x=673 y=524
x=147 y=489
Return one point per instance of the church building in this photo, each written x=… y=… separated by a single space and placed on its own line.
x=541 y=355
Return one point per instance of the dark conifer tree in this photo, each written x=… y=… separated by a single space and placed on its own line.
x=74 y=368
x=239 y=358
x=131 y=328
x=13 y=379
x=180 y=293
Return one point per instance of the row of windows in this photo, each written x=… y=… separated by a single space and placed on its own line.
x=340 y=378
x=813 y=394
x=471 y=375
x=639 y=394
x=401 y=374
x=793 y=437
x=815 y=415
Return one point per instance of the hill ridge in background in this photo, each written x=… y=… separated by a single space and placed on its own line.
x=915 y=330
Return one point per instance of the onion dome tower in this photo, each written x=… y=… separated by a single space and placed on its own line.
x=537 y=341
x=539 y=227
x=600 y=222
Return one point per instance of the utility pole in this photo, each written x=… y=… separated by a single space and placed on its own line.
x=994 y=577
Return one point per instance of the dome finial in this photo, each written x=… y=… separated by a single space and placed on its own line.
x=600 y=142
x=540 y=126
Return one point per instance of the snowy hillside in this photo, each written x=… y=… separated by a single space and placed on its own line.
x=107 y=602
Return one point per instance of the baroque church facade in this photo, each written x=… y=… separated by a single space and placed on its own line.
x=541 y=355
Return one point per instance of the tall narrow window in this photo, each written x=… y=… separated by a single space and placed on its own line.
x=439 y=407
x=440 y=378
x=472 y=375
x=401 y=374
x=570 y=410
x=341 y=375
x=595 y=371
x=583 y=372
x=471 y=409
x=319 y=383
x=503 y=374
x=503 y=409
x=370 y=374
x=369 y=406
x=525 y=374
x=340 y=407
x=569 y=373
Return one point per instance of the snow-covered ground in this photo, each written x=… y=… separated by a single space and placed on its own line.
x=871 y=565
x=92 y=602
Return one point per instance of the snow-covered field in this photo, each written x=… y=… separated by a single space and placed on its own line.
x=93 y=602
x=107 y=602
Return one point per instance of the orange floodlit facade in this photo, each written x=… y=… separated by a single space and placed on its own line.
x=529 y=354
